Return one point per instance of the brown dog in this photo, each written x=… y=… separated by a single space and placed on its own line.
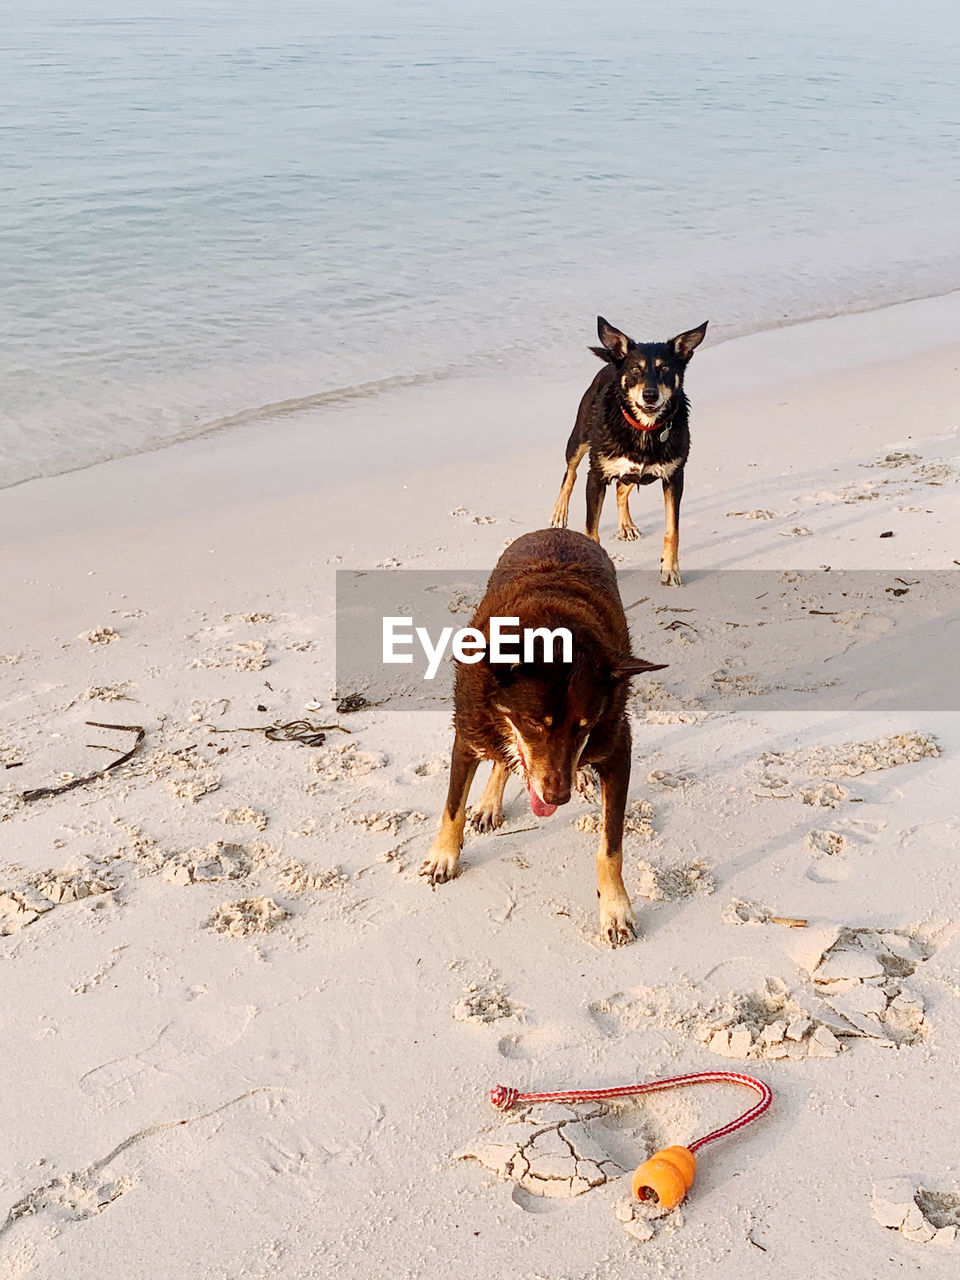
x=543 y=720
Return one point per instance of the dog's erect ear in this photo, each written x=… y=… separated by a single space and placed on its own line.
x=685 y=344
x=615 y=343
x=628 y=665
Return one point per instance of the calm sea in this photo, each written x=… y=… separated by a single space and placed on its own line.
x=211 y=207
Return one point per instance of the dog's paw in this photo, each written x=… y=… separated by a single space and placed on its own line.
x=440 y=866
x=617 y=923
x=485 y=820
x=558 y=520
x=628 y=533
x=670 y=577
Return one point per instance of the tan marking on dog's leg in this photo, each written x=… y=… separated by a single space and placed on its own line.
x=617 y=924
x=442 y=863
x=561 y=508
x=488 y=814
x=627 y=531
x=669 y=562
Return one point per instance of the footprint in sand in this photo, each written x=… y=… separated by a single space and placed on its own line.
x=857 y=989
x=178 y=1048
x=540 y=1042
x=829 y=847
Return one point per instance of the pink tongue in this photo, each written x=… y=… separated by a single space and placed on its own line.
x=539 y=808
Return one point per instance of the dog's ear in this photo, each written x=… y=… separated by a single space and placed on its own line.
x=505 y=673
x=685 y=344
x=628 y=665
x=615 y=343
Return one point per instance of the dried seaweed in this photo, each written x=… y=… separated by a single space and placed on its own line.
x=305 y=731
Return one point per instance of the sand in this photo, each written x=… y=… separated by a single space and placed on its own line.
x=244 y=1037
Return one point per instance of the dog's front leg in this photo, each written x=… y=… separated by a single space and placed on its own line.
x=669 y=562
x=561 y=508
x=596 y=489
x=488 y=815
x=617 y=924
x=444 y=857
x=627 y=531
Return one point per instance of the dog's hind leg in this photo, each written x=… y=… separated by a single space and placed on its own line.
x=488 y=815
x=617 y=924
x=443 y=860
x=669 y=562
x=596 y=489
x=627 y=531
x=561 y=508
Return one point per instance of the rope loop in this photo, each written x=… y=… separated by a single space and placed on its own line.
x=504 y=1097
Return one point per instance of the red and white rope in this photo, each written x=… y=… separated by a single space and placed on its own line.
x=503 y=1097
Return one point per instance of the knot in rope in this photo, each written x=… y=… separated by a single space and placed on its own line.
x=503 y=1097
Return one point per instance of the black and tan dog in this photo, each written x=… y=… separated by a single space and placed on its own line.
x=633 y=420
x=544 y=720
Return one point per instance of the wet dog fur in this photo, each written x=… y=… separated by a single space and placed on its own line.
x=633 y=420
x=545 y=720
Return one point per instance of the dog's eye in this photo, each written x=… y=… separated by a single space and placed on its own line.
x=548 y=721
x=583 y=723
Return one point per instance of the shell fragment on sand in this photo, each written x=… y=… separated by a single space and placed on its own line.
x=921 y=1216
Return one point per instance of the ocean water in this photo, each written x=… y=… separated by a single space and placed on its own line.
x=210 y=208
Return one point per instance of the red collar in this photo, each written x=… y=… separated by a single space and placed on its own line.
x=639 y=425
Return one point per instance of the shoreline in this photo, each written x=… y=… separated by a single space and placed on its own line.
x=379 y=391
x=446 y=443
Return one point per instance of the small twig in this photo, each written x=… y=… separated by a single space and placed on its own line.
x=823 y=613
x=14 y=764
x=791 y=922
x=642 y=600
x=515 y=831
x=39 y=793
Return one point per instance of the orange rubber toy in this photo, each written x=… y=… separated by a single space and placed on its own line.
x=668 y=1175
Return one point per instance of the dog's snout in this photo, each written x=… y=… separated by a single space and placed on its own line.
x=650 y=395
x=556 y=789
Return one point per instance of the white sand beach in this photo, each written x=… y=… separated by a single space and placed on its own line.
x=242 y=1038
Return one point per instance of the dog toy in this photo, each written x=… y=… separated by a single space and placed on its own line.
x=668 y=1175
